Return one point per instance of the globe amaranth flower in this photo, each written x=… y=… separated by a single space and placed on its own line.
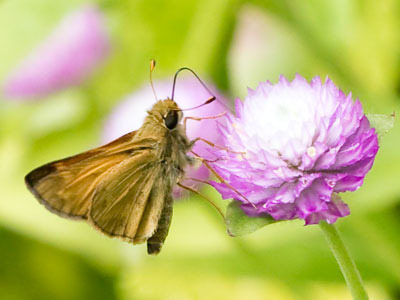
x=303 y=143
x=69 y=55
x=130 y=113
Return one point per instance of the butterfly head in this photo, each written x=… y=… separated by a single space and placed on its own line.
x=167 y=112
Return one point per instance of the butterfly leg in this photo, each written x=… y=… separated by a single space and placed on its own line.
x=207 y=141
x=190 y=189
x=196 y=161
x=222 y=180
x=201 y=118
x=216 y=146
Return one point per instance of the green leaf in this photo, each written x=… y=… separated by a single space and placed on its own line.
x=382 y=123
x=238 y=223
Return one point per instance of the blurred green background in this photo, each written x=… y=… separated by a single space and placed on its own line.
x=235 y=44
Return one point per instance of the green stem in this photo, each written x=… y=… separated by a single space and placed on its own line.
x=346 y=264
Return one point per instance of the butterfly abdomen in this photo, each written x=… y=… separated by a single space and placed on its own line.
x=155 y=243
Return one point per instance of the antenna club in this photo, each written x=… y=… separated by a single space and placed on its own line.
x=152 y=64
x=209 y=100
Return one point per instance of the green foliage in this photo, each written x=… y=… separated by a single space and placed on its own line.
x=238 y=223
x=382 y=123
x=34 y=270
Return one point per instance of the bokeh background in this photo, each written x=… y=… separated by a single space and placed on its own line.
x=233 y=44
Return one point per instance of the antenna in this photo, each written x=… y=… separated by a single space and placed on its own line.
x=194 y=73
x=209 y=100
x=152 y=66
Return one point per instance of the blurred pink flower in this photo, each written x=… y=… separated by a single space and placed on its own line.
x=130 y=113
x=66 y=57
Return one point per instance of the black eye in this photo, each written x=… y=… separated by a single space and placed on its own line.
x=171 y=119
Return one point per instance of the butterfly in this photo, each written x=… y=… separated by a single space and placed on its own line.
x=123 y=188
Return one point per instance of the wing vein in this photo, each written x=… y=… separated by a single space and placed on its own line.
x=132 y=204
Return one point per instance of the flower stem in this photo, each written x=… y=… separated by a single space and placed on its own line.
x=346 y=264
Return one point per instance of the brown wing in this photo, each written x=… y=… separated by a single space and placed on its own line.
x=66 y=187
x=128 y=203
x=121 y=188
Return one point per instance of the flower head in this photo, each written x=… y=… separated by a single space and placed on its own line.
x=65 y=58
x=130 y=113
x=303 y=143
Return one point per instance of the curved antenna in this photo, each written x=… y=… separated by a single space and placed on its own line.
x=209 y=100
x=152 y=66
x=194 y=73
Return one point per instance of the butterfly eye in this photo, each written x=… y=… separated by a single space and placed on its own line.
x=171 y=119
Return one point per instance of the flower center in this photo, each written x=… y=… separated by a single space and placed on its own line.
x=283 y=121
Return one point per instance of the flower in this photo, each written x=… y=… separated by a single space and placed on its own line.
x=130 y=113
x=303 y=143
x=66 y=57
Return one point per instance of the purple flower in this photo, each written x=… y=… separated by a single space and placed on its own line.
x=130 y=113
x=66 y=57
x=303 y=143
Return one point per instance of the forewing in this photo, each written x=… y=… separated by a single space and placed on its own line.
x=126 y=203
x=66 y=187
